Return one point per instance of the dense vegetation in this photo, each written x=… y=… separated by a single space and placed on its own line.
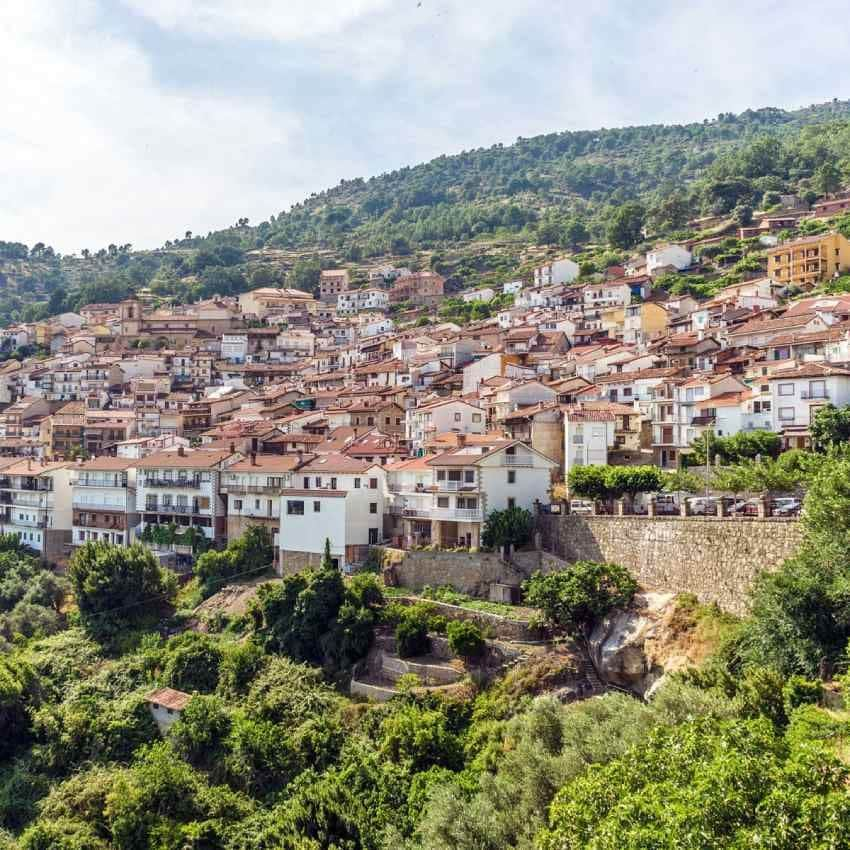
x=269 y=753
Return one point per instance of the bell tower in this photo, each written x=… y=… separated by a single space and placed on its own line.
x=131 y=317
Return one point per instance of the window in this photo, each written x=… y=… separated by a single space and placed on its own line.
x=237 y=504
x=511 y=503
x=373 y=483
x=306 y=482
x=511 y=476
x=317 y=507
x=786 y=414
x=817 y=389
x=333 y=483
x=578 y=439
x=786 y=389
x=476 y=417
x=256 y=504
x=318 y=480
x=442 y=501
x=458 y=417
x=373 y=536
x=356 y=483
x=295 y=507
x=469 y=476
x=373 y=507
x=441 y=475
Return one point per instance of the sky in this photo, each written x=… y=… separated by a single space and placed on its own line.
x=136 y=120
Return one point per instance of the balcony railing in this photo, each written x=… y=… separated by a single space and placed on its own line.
x=518 y=460
x=454 y=486
x=446 y=514
x=259 y=489
x=156 y=481
x=812 y=395
x=153 y=507
x=112 y=482
x=99 y=506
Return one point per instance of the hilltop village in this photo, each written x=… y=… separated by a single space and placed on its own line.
x=360 y=409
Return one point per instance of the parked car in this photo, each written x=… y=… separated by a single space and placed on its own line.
x=702 y=505
x=666 y=503
x=581 y=506
x=786 y=506
x=750 y=507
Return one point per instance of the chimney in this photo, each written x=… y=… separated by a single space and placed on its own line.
x=253 y=458
x=181 y=452
x=232 y=448
x=461 y=440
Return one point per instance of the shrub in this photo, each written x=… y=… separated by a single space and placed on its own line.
x=799 y=691
x=411 y=634
x=465 y=639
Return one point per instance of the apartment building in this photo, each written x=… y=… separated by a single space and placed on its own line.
x=810 y=260
x=421 y=289
x=103 y=500
x=356 y=300
x=588 y=437
x=35 y=504
x=183 y=488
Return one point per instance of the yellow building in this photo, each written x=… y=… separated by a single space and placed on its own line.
x=808 y=261
x=644 y=321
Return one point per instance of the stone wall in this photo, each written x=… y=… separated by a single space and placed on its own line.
x=468 y=572
x=715 y=559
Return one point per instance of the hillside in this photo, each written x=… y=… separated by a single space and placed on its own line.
x=479 y=216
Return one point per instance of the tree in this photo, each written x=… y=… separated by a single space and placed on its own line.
x=510 y=527
x=575 y=233
x=827 y=178
x=115 y=585
x=411 y=633
x=625 y=228
x=578 y=597
x=830 y=426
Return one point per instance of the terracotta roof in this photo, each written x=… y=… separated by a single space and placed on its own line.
x=106 y=464
x=336 y=462
x=192 y=459
x=169 y=698
x=810 y=370
x=267 y=463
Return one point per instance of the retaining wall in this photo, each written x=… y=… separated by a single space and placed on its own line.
x=715 y=559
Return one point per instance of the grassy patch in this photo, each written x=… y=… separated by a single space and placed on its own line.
x=450 y=596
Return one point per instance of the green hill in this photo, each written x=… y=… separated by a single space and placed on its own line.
x=481 y=215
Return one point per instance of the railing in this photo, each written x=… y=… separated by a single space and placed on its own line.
x=808 y=394
x=260 y=489
x=154 y=481
x=82 y=482
x=26 y=501
x=171 y=509
x=99 y=506
x=449 y=514
x=453 y=486
x=518 y=460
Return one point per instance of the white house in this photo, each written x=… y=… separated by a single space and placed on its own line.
x=166 y=706
x=668 y=255
x=798 y=393
x=234 y=346
x=588 y=435
x=558 y=271
x=482 y=295
x=444 y=500
x=437 y=417
x=333 y=497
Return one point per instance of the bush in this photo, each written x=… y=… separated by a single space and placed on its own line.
x=576 y=598
x=465 y=639
x=799 y=691
x=411 y=634
x=511 y=527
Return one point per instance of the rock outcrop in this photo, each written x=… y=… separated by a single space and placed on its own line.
x=634 y=648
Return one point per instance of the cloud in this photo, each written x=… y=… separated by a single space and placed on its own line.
x=94 y=150
x=134 y=121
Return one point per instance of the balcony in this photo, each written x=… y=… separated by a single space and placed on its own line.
x=445 y=514
x=111 y=482
x=79 y=504
x=518 y=460
x=818 y=395
x=156 y=508
x=155 y=481
x=256 y=489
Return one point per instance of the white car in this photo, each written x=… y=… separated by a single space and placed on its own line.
x=581 y=506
